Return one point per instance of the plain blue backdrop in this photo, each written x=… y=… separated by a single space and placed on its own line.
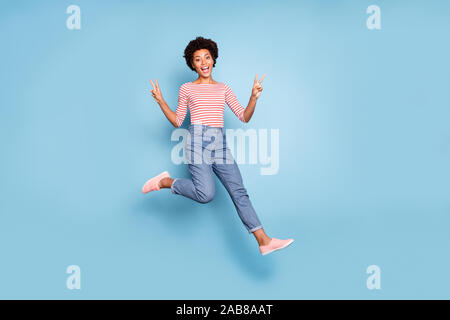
x=364 y=179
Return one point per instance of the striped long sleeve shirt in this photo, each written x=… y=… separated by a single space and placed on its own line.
x=206 y=103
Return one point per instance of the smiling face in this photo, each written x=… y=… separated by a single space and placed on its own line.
x=202 y=62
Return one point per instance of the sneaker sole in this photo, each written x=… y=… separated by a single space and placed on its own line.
x=278 y=248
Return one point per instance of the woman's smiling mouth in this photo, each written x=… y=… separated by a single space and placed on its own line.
x=205 y=69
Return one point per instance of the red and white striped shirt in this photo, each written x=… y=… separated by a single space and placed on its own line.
x=206 y=103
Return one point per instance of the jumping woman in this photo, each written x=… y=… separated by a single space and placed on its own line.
x=206 y=145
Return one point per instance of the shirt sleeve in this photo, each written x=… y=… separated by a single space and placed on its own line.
x=234 y=104
x=182 y=105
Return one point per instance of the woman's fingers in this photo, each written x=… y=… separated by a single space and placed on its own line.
x=262 y=79
x=154 y=91
x=257 y=86
x=256 y=79
x=152 y=84
x=155 y=86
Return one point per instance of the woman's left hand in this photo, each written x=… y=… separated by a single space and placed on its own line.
x=257 y=86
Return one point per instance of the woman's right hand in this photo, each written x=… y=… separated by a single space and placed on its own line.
x=156 y=92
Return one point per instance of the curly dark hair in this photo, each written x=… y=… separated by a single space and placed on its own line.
x=197 y=44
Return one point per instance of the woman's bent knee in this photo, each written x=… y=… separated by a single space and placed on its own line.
x=205 y=197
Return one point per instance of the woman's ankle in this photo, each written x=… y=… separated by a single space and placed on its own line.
x=261 y=237
x=165 y=182
x=264 y=242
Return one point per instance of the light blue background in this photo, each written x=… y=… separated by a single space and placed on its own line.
x=364 y=172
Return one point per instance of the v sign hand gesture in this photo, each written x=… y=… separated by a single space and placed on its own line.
x=156 y=92
x=157 y=95
x=257 y=86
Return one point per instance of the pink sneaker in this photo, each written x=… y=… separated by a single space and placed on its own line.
x=274 y=244
x=152 y=184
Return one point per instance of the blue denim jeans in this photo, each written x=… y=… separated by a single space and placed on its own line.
x=207 y=152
